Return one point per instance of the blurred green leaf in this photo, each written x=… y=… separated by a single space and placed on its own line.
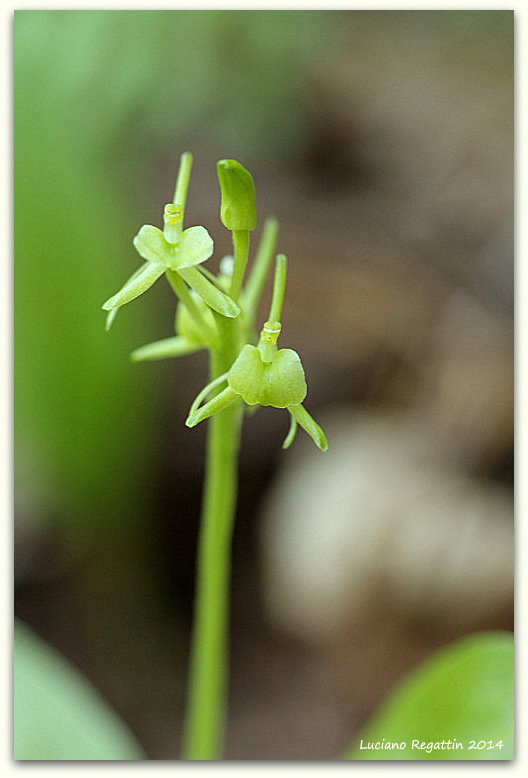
x=83 y=415
x=58 y=715
x=464 y=693
x=226 y=78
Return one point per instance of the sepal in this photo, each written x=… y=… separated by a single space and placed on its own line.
x=138 y=283
x=301 y=415
x=216 y=299
x=177 y=346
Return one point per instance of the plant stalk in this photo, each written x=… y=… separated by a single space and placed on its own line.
x=207 y=697
x=241 y=253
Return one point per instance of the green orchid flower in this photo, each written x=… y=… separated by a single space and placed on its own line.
x=194 y=323
x=173 y=251
x=263 y=375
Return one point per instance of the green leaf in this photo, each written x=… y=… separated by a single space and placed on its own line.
x=464 y=694
x=58 y=715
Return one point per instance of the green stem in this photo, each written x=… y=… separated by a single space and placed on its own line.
x=206 y=710
x=271 y=329
x=182 y=182
x=259 y=273
x=279 y=286
x=241 y=253
x=181 y=291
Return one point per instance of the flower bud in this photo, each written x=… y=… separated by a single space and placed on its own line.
x=238 y=210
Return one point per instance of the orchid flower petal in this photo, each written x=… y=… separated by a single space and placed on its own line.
x=301 y=415
x=288 y=440
x=150 y=244
x=113 y=312
x=164 y=349
x=218 y=403
x=110 y=318
x=150 y=272
x=216 y=299
x=195 y=246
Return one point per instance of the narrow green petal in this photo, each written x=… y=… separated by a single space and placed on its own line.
x=217 y=300
x=150 y=244
x=164 y=349
x=208 y=388
x=136 y=285
x=217 y=404
x=288 y=440
x=113 y=312
x=301 y=415
x=195 y=246
x=110 y=318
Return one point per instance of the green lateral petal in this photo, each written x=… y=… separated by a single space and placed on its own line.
x=150 y=244
x=164 y=349
x=207 y=389
x=113 y=312
x=110 y=318
x=136 y=285
x=301 y=415
x=288 y=440
x=217 y=404
x=217 y=300
x=195 y=246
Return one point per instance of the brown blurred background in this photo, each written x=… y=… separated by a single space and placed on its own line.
x=383 y=142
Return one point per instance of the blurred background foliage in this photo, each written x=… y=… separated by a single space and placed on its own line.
x=462 y=689
x=383 y=142
x=57 y=714
x=100 y=97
